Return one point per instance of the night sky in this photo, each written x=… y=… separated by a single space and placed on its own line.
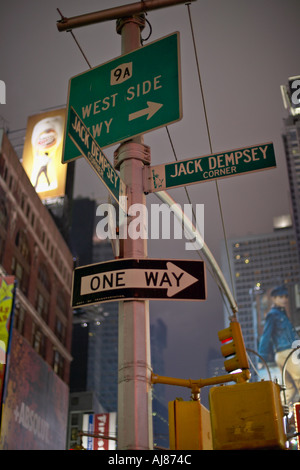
x=246 y=50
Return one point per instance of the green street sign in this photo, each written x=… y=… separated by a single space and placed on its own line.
x=127 y=96
x=209 y=167
x=88 y=147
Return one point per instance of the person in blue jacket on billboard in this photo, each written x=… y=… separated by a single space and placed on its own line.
x=279 y=338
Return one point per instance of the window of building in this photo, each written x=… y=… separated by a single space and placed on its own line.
x=2 y=164
x=62 y=304
x=42 y=306
x=22 y=244
x=3 y=215
x=19 y=318
x=23 y=200
x=74 y=401
x=21 y=273
x=10 y=184
x=43 y=276
x=58 y=363
x=60 y=330
x=75 y=419
x=5 y=173
x=43 y=292
x=3 y=227
x=38 y=341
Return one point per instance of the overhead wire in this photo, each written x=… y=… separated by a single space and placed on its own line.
x=187 y=194
x=75 y=39
x=199 y=252
x=210 y=141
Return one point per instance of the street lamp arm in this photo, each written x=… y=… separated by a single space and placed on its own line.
x=188 y=225
x=67 y=24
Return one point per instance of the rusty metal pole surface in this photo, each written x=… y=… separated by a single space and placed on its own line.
x=134 y=376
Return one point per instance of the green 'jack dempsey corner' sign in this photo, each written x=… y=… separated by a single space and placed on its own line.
x=209 y=167
x=89 y=148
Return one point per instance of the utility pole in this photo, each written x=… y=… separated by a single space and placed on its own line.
x=134 y=376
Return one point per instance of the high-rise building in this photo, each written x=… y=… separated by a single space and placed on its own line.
x=95 y=327
x=291 y=140
x=258 y=263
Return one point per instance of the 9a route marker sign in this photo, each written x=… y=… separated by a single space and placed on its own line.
x=137 y=279
x=127 y=96
x=89 y=148
x=209 y=167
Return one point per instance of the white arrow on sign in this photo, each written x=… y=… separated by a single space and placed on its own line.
x=174 y=279
x=151 y=109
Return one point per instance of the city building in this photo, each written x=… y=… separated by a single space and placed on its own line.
x=259 y=263
x=81 y=403
x=158 y=338
x=95 y=327
x=33 y=250
x=291 y=141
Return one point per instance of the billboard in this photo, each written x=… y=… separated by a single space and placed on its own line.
x=7 y=285
x=42 y=153
x=35 y=411
x=100 y=431
x=294 y=90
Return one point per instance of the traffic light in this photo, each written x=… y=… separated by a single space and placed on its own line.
x=233 y=347
x=247 y=416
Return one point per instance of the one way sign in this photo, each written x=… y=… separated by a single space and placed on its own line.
x=133 y=279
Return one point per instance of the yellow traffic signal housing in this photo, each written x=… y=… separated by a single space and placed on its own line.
x=247 y=416
x=233 y=347
x=189 y=426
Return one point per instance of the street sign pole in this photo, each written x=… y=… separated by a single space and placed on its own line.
x=134 y=391
x=134 y=369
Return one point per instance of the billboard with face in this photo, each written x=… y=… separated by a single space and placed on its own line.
x=42 y=153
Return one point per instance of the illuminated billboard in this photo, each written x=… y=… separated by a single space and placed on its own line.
x=99 y=431
x=7 y=291
x=43 y=152
x=294 y=89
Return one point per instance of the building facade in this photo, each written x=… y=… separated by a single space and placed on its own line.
x=291 y=141
x=34 y=251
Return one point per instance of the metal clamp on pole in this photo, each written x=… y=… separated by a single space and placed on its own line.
x=132 y=150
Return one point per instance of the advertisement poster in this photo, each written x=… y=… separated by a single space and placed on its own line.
x=35 y=411
x=6 y=311
x=103 y=427
x=43 y=151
